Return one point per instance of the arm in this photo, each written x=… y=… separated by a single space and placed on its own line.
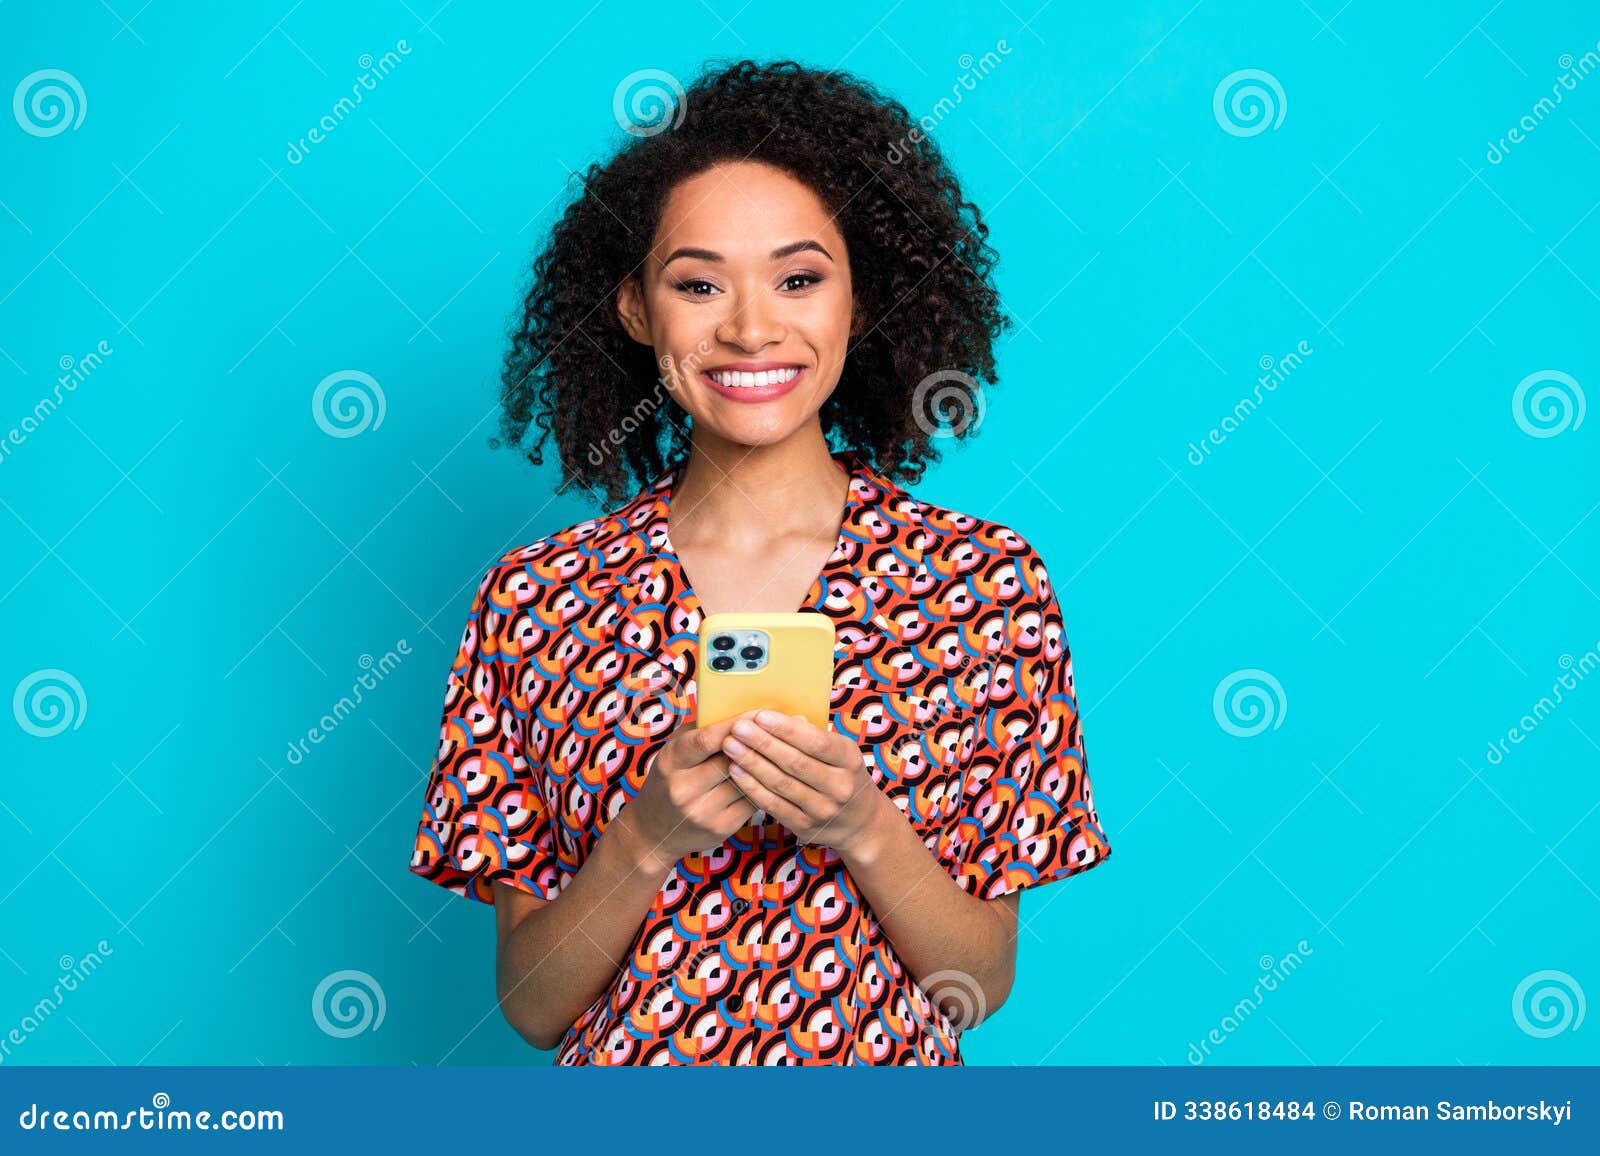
x=934 y=925
x=562 y=932
x=556 y=956
x=815 y=783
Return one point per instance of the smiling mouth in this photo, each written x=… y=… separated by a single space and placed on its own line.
x=762 y=379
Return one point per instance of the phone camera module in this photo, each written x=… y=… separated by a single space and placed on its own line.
x=751 y=653
x=722 y=662
x=722 y=642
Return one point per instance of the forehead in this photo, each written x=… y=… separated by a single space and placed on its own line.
x=744 y=210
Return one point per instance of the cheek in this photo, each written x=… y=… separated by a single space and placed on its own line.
x=684 y=335
x=824 y=325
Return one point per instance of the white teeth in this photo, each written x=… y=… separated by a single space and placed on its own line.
x=737 y=380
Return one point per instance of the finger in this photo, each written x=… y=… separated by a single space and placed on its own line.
x=704 y=778
x=721 y=790
x=746 y=734
x=768 y=800
x=698 y=744
x=741 y=808
x=801 y=734
x=772 y=777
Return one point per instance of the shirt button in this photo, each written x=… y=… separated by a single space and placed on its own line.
x=735 y=1001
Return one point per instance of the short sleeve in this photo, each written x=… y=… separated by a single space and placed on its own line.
x=483 y=817
x=1027 y=814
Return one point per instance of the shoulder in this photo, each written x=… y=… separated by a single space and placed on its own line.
x=1005 y=566
x=1002 y=570
x=584 y=558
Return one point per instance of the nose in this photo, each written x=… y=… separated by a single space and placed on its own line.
x=750 y=322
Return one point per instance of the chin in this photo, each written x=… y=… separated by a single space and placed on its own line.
x=753 y=431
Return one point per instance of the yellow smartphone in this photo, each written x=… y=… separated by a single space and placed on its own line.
x=753 y=661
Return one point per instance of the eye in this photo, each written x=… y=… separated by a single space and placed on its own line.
x=804 y=279
x=695 y=288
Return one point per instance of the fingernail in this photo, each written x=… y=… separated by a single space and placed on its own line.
x=768 y=718
x=734 y=747
x=745 y=728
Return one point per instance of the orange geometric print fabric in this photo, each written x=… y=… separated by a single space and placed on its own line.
x=953 y=675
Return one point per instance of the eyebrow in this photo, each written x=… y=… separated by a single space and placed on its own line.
x=778 y=254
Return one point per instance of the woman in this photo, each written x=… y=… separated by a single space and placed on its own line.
x=742 y=314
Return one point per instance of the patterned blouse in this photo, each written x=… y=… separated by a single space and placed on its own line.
x=951 y=672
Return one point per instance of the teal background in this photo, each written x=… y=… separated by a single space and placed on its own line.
x=1382 y=535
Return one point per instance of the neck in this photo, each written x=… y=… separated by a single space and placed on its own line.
x=757 y=492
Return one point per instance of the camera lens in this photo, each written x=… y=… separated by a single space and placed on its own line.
x=722 y=642
x=750 y=652
x=722 y=662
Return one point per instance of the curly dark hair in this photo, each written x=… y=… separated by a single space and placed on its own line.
x=919 y=263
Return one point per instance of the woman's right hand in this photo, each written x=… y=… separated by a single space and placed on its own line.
x=688 y=803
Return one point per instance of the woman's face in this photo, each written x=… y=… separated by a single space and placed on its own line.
x=746 y=299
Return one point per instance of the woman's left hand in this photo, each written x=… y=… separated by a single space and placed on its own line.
x=812 y=781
